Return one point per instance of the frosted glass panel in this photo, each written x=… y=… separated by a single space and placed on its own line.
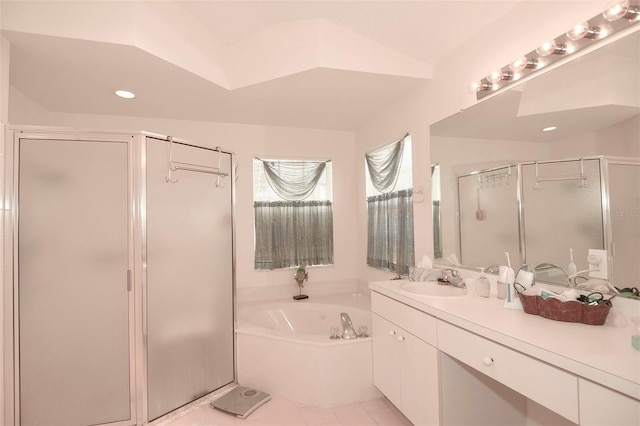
x=73 y=298
x=486 y=237
x=189 y=279
x=561 y=215
x=624 y=199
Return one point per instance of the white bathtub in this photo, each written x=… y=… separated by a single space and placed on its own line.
x=284 y=348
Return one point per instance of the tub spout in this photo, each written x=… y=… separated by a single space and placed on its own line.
x=348 y=332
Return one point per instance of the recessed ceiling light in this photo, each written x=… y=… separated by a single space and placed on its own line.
x=125 y=94
x=550 y=128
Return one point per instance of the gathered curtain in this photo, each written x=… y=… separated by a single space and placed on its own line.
x=390 y=231
x=384 y=166
x=293 y=180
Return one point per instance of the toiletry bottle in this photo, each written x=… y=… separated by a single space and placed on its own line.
x=508 y=277
x=571 y=268
x=502 y=282
x=483 y=286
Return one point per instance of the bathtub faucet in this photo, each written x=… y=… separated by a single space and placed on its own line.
x=347 y=326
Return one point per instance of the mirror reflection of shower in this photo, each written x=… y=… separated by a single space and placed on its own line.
x=488 y=215
x=553 y=212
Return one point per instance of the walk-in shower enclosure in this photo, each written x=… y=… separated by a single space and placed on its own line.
x=119 y=276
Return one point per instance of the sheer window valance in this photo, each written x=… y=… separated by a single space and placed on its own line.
x=293 y=180
x=384 y=166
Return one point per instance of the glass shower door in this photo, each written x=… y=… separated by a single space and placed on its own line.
x=73 y=298
x=561 y=212
x=189 y=278
x=624 y=207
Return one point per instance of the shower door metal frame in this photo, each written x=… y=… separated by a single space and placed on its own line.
x=609 y=242
x=604 y=201
x=140 y=241
x=11 y=278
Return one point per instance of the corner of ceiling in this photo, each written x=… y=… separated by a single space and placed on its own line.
x=163 y=29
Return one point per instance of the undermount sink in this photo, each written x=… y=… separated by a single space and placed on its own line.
x=432 y=289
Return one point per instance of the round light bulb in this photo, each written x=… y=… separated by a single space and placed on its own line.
x=616 y=11
x=522 y=63
x=495 y=76
x=547 y=48
x=578 y=31
x=519 y=64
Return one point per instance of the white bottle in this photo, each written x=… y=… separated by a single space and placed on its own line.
x=502 y=283
x=483 y=286
x=571 y=268
x=506 y=278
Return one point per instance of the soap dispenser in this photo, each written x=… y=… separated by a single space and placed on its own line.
x=483 y=286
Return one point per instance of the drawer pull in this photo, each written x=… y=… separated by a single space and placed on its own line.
x=392 y=332
x=400 y=338
x=487 y=360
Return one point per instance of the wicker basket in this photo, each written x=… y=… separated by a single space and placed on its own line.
x=570 y=311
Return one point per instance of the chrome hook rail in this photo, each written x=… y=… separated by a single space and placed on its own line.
x=174 y=166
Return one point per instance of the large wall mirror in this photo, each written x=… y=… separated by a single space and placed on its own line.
x=502 y=184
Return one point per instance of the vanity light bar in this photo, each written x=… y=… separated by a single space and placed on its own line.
x=615 y=18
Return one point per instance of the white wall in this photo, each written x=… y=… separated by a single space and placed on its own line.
x=25 y=110
x=5 y=50
x=622 y=139
x=248 y=141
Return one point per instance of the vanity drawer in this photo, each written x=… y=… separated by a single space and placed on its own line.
x=412 y=320
x=547 y=385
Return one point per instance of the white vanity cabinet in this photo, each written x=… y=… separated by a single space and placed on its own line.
x=547 y=385
x=470 y=361
x=602 y=406
x=405 y=363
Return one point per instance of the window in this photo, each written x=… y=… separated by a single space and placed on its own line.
x=389 y=180
x=293 y=213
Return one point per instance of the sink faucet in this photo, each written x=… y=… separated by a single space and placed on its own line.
x=452 y=276
x=492 y=268
x=347 y=326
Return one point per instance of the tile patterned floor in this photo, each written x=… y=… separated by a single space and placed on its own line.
x=282 y=412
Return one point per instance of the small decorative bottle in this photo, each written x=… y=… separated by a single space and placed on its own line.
x=483 y=286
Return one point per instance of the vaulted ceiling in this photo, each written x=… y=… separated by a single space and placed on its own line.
x=318 y=64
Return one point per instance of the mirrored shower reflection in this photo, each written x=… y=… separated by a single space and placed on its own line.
x=554 y=208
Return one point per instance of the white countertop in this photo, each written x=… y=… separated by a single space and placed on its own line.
x=602 y=354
